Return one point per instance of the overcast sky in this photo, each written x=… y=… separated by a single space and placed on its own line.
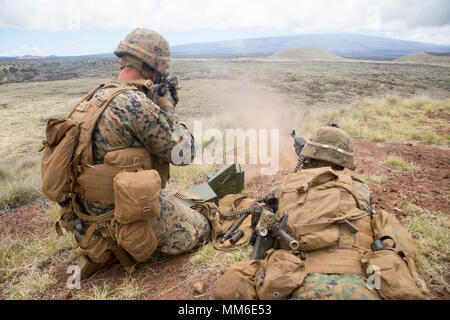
x=78 y=27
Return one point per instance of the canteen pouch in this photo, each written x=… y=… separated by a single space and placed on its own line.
x=138 y=239
x=136 y=196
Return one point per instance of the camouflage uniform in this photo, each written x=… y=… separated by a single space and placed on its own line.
x=133 y=120
x=320 y=286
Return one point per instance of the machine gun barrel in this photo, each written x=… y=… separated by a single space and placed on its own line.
x=293 y=244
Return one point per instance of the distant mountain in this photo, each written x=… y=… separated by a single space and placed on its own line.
x=345 y=45
x=305 y=54
x=29 y=57
x=426 y=58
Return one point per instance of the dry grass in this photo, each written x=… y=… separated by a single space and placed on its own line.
x=28 y=265
x=388 y=119
x=128 y=289
x=431 y=232
x=374 y=178
x=401 y=164
x=209 y=258
x=19 y=181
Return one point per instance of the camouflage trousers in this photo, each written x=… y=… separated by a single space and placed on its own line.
x=319 y=286
x=179 y=228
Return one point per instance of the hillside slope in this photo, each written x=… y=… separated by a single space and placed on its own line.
x=426 y=58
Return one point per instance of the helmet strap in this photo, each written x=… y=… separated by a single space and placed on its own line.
x=135 y=63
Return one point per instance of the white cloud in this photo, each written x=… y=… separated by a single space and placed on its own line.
x=427 y=20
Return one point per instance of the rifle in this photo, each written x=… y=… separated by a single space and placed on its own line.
x=167 y=84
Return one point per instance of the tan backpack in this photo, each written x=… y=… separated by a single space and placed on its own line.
x=68 y=141
x=125 y=179
x=323 y=210
x=335 y=237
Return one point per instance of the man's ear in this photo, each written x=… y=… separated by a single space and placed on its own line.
x=152 y=73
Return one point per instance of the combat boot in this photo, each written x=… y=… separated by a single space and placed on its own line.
x=88 y=267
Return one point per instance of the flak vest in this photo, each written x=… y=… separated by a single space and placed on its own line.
x=130 y=178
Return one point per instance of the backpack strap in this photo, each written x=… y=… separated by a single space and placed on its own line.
x=87 y=97
x=88 y=113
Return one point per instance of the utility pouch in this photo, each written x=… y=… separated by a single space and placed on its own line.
x=238 y=282
x=397 y=281
x=138 y=239
x=281 y=275
x=136 y=196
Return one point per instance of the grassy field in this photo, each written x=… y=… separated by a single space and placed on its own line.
x=379 y=101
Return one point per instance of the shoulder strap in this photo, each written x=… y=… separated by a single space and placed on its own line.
x=88 y=114
x=87 y=97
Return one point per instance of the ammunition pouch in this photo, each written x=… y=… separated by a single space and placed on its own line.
x=136 y=200
x=397 y=261
x=281 y=274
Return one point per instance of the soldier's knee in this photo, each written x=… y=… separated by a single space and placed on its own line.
x=179 y=228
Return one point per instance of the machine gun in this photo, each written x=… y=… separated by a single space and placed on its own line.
x=266 y=227
x=299 y=143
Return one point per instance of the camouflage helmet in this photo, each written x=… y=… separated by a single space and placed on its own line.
x=149 y=47
x=330 y=144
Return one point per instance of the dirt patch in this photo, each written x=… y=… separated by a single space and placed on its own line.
x=428 y=187
x=23 y=223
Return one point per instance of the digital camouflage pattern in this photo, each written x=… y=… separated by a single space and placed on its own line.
x=133 y=120
x=319 y=286
x=148 y=46
x=363 y=193
x=179 y=228
x=330 y=144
